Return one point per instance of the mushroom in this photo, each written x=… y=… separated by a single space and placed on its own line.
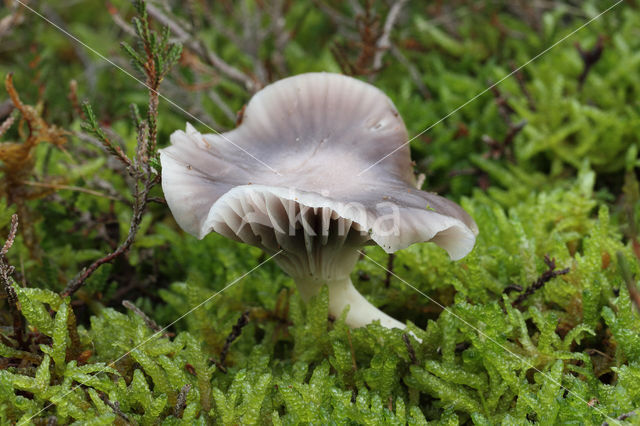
x=289 y=179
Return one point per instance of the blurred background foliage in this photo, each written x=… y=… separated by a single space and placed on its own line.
x=545 y=161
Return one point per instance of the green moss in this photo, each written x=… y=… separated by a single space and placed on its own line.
x=568 y=354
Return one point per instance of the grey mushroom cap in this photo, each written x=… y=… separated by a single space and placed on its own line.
x=313 y=134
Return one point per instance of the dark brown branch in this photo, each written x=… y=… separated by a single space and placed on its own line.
x=545 y=277
x=512 y=287
x=235 y=333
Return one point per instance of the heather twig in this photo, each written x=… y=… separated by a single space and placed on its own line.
x=91 y=126
x=154 y=59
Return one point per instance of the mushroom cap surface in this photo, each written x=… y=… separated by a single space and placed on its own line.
x=313 y=134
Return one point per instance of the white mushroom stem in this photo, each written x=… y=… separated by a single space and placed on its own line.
x=342 y=293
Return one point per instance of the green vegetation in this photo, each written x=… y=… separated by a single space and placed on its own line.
x=539 y=324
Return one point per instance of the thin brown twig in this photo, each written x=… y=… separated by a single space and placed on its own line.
x=6 y=270
x=235 y=333
x=523 y=86
x=542 y=280
x=589 y=58
x=500 y=149
x=140 y=167
x=115 y=406
x=140 y=203
x=502 y=102
x=410 y=350
x=148 y=321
